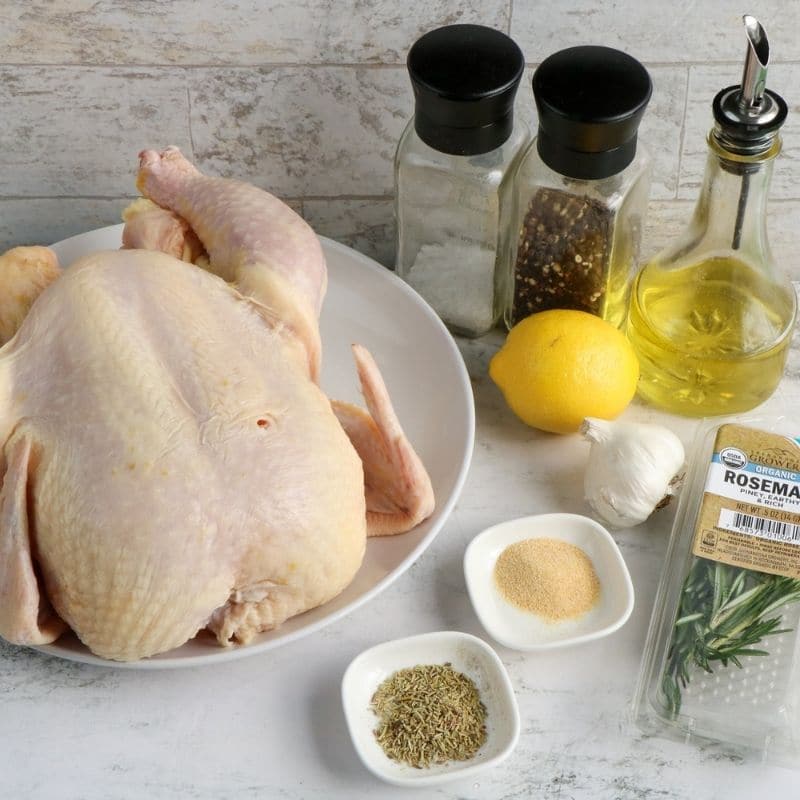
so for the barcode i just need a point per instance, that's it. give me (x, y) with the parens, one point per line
(759, 526)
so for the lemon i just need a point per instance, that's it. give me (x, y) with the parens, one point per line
(558, 367)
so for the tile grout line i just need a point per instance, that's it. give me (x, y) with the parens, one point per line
(284, 198)
(320, 198)
(203, 65)
(510, 16)
(365, 197)
(324, 64)
(189, 122)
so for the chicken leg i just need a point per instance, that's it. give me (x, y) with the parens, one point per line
(253, 240)
(25, 615)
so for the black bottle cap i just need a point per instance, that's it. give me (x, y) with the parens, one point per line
(464, 79)
(590, 102)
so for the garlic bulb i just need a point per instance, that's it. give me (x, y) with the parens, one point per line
(633, 469)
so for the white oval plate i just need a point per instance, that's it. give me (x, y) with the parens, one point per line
(521, 630)
(431, 392)
(467, 654)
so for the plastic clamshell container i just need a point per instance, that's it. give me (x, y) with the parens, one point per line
(752, 711)
(522, 630)
(467, 654)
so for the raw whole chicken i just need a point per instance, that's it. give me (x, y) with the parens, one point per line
(168, 460)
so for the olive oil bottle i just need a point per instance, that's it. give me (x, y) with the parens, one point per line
(711, 317)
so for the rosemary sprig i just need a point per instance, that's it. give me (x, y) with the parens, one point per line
(723, 612)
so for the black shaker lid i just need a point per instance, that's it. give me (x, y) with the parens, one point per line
(590, 101)
(464, 79)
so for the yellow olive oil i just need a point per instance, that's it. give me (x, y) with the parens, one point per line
(711, 338)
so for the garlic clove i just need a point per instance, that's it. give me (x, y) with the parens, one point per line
(633, 469)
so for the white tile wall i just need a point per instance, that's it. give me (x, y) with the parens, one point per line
(241, 32)
(76, 131)
(308, 97)
(317, 131)
(666, 32)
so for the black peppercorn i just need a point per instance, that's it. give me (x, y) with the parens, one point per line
(562, 255)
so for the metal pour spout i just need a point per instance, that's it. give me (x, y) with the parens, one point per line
(748, 116)
(754, 76)
(747, 119)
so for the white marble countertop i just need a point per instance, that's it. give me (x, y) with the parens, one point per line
(272, 726)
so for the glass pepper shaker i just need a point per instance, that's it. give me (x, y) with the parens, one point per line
(711, 316)
(452, 169)
(581, 188)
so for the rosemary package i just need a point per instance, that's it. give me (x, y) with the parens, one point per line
(429, 714)
(724, 612)
(721, 659)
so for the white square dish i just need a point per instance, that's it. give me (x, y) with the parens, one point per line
(467, 654)
(522, 630)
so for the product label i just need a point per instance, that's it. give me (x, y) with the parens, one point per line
(750, 513)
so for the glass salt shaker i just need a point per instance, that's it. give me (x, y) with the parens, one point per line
(581, 188)
(452, 170)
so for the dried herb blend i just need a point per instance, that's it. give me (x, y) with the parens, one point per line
(563, 254)
(429, 714)
(548, 577)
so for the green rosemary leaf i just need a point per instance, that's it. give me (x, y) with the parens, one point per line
(718, 583)
(749, 651)
(734, 605)
(736, 586)
(672, 693)
(792, 597)
(689, 618)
